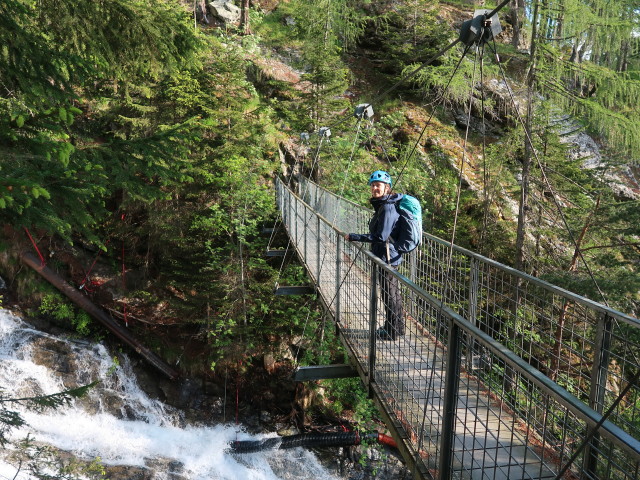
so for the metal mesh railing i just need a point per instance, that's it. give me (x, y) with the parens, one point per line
(498, 375)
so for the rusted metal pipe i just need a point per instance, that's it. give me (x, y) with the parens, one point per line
(88, 306)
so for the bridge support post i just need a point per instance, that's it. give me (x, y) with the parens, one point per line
(450, 400)
(318, 263)
(472, 347)
(315, 198)
(296, 222)
(599, 374)
(473, 292)
(373, 322)
(287, 219)
(338, 276)
(305, 227)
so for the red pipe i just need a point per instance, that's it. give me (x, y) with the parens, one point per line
(387, 440)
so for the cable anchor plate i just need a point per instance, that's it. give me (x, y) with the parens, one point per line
(480, 29)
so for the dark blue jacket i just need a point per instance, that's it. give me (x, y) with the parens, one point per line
(381, 227)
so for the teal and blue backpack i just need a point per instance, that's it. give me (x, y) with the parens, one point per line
(408, 230)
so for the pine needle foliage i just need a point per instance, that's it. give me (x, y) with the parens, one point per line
(582, 57)
(91, 71)
(401, 34)
(10, 419)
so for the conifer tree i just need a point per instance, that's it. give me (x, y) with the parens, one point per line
(576, 62)
(63, 84)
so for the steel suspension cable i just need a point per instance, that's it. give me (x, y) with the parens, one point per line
(402, 80)
(417, 70)
(277, 220)
(546, 180)
(266, 310)
(485, 175)
(448, 285)
(634, 378)
(433, 104)
(462, 162)
(361, 247)
(344, 180)
(313, 165)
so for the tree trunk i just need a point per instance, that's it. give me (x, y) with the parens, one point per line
(244, 17)
(557, 347)
(528, 150)
(623, 60)
(517, 14)
(98, 314)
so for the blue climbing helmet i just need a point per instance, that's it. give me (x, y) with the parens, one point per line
(380, 176)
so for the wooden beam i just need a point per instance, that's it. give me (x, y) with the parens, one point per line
(88, 306)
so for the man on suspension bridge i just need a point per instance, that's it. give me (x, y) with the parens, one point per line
(381, 228)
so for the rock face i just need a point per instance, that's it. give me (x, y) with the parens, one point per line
(581, 147)
(225, 12)
(510, 101)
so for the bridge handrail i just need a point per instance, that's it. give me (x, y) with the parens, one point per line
(525, 276)
(314, 234)
(613, 432)
(578, 407)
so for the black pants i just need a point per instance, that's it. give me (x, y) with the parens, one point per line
(392, 300)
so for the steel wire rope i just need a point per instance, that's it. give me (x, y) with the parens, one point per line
(386, 92)
(278, 220)
(634, 378)
(485, 173)
(411, 153)
(555, 200)
(241, 257)
(317, 155)
(441, 97)
(304, 194)
(342, 186)
(403, 79)
(546, 180)
(240, 235)
(594, 430)
(361, 247)
(468, 46)
(448, 268)
(286, 250)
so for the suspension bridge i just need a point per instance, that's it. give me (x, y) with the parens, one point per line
(499, 376)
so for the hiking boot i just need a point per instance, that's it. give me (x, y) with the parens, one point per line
(382, 334)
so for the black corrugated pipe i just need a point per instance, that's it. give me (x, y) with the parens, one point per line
(338, 439)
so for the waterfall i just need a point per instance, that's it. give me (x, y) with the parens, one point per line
(117, 421)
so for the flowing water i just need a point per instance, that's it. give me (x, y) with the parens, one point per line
(119, 423)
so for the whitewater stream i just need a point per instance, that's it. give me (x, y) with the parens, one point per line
(117, 421)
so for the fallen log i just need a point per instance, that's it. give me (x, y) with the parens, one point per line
(88, 306)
